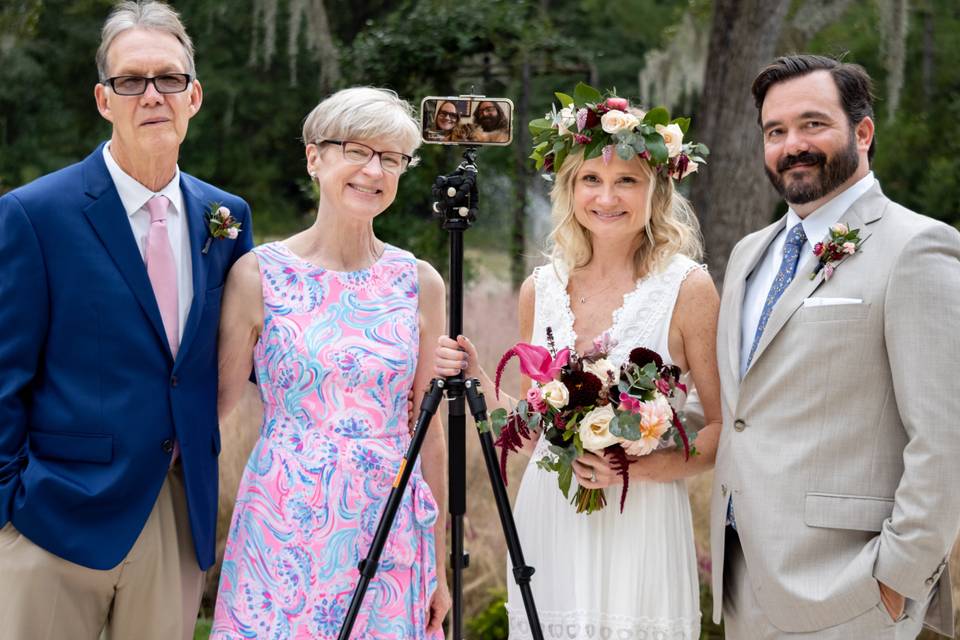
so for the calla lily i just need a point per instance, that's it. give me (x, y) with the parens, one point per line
(535, 362)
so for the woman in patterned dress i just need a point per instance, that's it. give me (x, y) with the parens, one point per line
(622, 265)
(336, 324)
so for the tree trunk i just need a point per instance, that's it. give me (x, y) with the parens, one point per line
(521, 146)
(732, 195)
(928, 54)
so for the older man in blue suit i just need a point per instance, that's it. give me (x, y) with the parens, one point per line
(109, 303)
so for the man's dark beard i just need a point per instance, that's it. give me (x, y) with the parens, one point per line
(489, 123)
(829, 173)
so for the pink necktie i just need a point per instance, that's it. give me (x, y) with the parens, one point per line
(162, 270)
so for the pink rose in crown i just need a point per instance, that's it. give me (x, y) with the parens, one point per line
(535, 399)
(620, 104)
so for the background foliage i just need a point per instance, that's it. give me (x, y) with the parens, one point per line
(265, 63)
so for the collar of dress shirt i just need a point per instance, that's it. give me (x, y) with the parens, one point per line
(819, 221)
(134, 195)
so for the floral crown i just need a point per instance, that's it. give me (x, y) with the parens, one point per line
(603, 125)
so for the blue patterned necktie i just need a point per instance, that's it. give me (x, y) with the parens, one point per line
(788, 268)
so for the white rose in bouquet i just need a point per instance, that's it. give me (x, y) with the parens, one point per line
(595, 429)
(601, 368)
(555, 394)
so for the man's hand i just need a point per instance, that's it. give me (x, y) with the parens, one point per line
(892, 601)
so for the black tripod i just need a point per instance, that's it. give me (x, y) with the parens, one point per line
(456, 205)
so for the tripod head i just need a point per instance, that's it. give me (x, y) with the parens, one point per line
(455, 195)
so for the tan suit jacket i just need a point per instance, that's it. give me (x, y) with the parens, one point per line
(841, 444)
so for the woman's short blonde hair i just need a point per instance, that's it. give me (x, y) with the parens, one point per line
(364, 113)
(672, 227)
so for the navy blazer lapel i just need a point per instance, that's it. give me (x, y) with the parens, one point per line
(109, 219)
(195, 211)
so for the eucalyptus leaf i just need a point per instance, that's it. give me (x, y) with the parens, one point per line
(683, 123)
(564, 478)
(565, 100)
(657, 148)
(625, 151)
(629, 426)
(498, 420)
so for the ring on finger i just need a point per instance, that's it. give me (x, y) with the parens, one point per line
(593, 475)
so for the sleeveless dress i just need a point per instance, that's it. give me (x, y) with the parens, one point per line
(334, 364)
(623, 576)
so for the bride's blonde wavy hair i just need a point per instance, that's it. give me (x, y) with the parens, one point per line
(672, 227)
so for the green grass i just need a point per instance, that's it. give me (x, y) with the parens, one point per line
(202, 630)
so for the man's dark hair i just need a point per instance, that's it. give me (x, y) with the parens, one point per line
(501, 116)
(852, 80)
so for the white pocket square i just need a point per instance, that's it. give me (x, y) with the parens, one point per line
(829, 302)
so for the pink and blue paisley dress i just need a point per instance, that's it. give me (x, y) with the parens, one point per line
(334, 364)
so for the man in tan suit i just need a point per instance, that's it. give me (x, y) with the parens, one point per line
(836, 497)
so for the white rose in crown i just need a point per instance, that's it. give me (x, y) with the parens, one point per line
(567, 119)
(602, 368)
(555, 394)
(595, 429)
(673, 137)
(615, 121)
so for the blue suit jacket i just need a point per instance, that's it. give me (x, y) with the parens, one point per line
(90, 396)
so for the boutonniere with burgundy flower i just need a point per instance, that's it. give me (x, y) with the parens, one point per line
(843, 242)
(221, 225)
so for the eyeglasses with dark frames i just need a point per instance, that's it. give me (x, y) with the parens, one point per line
(448, 115)
(358, 153)
(165, 83)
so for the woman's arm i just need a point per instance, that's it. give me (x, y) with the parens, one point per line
(433, 454)
(693, 345)
(241, 321)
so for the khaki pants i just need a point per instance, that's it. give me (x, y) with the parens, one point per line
(154, 593)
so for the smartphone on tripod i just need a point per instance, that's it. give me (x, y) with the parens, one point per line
(466, 120)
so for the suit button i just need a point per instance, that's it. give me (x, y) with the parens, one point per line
(929, 582)
(723, 490)
(167, 446)
(739, 425)
(173, 381)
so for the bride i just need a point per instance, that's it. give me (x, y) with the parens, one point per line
(622, 263)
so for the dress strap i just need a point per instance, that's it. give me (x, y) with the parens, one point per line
(552, 306)
(644, 319)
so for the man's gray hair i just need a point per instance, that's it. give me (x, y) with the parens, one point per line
(144, 15)
(364, 113)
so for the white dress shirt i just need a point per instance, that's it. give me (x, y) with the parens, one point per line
(815, 226)
(134, 197)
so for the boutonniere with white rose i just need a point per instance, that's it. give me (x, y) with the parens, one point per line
(221, 225)
(604, 124)
(585, 403)
(843, 242)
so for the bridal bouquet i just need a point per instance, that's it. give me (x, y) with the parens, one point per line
(583, 403)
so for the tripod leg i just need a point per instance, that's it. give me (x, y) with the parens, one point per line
(457, 498)
(368, 566)
(521, 571)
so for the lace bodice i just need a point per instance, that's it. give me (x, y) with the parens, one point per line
(642, 320)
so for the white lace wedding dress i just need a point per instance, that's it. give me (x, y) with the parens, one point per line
(623, 576)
